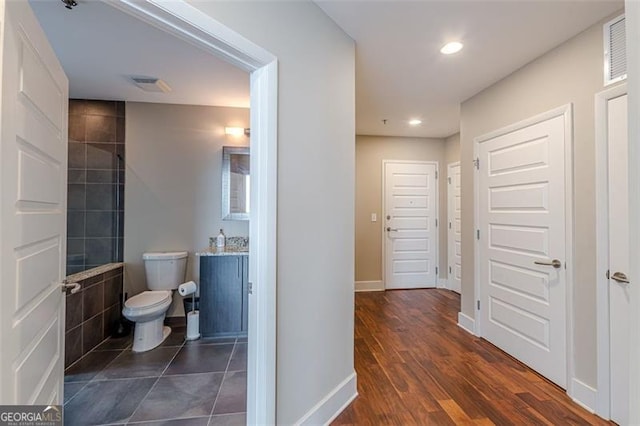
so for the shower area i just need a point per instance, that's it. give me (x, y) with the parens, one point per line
(95, 224)
(95, 205)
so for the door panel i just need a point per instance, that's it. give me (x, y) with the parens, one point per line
(454, 231)
(411, 207)
(619, 294)
(33, 218)
(521, 221)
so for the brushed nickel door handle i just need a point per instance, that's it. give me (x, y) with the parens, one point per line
(389, 229)
(620, 277)
(555, 263)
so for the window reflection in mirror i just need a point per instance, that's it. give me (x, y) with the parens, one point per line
(236, 183)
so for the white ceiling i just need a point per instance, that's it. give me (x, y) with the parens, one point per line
(400, 73)
(100, 47)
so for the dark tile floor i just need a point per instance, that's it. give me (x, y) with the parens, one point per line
(196, 383)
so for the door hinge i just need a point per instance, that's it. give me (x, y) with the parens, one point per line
(436, 174)
(436, 223)
(608, 274)
(477, 234)
(478, 304)
(449, 179)
(436, 270)
(250, 284)
(476, 163)
(449, 225)
(449, 269)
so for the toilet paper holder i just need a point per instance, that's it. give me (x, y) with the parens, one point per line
(193, 317)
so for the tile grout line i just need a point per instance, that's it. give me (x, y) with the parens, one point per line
(215, 402)
(85, 355)
(76, 394)
(143, 422)
(154, 383)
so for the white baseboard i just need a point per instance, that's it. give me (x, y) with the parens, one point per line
(466, 323)
(583, 395)
(334, 403)
(369, 286)
(443, 283)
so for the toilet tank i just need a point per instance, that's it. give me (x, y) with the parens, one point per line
(165, 270)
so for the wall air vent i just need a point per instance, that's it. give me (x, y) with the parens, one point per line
(151, 84)
(615, 51)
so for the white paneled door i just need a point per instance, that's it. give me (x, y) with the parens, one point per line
(522, 243)
(619, 294)
(410, 225)
(454, 231)
(33, 155)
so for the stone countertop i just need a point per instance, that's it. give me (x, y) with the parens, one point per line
(228, 251)
(80, 276)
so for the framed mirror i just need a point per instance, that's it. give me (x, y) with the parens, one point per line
(235, 183)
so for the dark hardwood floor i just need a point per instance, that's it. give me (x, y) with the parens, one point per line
(415, 366)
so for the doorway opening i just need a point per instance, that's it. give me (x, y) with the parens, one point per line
(185, 22)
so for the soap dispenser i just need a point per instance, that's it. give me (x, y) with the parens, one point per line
(220, 240)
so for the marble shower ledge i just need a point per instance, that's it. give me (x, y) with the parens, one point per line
(80, 276)
(228, 251)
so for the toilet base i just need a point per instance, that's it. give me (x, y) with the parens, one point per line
(149, 334)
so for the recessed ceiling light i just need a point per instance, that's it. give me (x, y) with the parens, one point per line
(415, 122)
(451, 47)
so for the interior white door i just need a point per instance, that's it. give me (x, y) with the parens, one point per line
(33, 163)
(619, 296)
(454, 232)
(411, 214)
(521, 202)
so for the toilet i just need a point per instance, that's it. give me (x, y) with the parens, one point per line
(164, 271)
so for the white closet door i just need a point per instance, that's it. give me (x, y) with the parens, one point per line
(522, 232)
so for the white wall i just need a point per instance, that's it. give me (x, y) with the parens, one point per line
(633, 60)
(452, 148)
(316, 158)
(173, 183)
(570, 73)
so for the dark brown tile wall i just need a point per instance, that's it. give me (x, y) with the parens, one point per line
(95, 217)
(91, 313)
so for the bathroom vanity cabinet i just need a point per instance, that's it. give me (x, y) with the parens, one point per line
(224, 294)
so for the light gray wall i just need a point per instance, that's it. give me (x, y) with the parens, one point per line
(174, 183)
(370, 151)
(452, 148)
(316, 158)
(571, 73)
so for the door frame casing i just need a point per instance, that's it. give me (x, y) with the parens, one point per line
(184, 21)
(450, 230)
(603, 391)
(383, 210)
(565, 111)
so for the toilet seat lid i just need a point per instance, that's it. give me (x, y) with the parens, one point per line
(148, 299)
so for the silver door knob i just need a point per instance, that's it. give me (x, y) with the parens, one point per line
(389, 229)
(555, 263)
(620, 277)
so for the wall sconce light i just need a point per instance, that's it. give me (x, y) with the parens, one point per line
(237, 131)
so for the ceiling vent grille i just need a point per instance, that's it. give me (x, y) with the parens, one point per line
(151, 84)
(615, 51)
